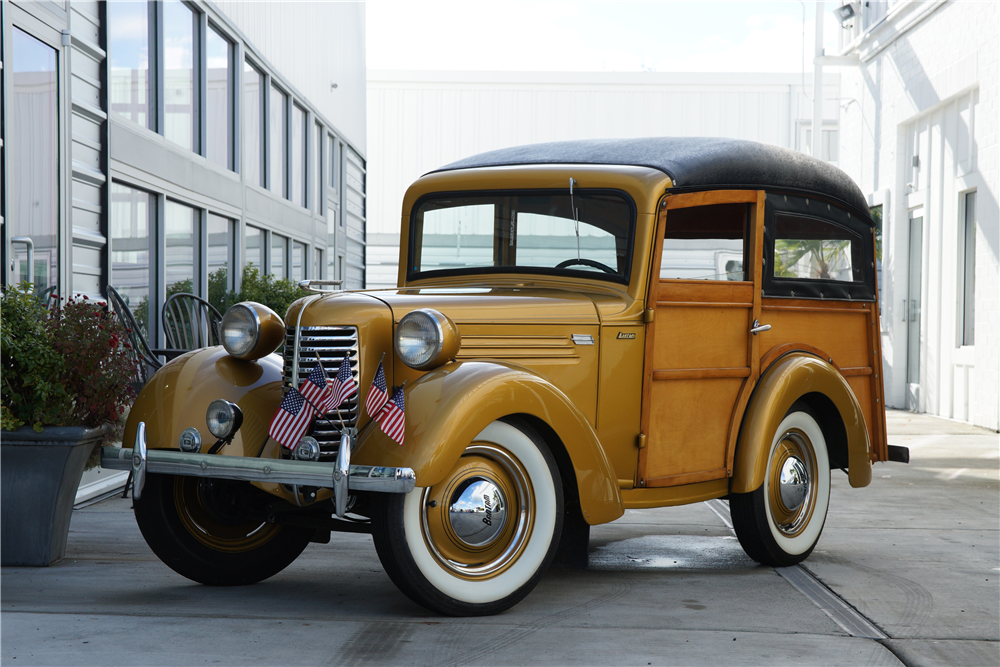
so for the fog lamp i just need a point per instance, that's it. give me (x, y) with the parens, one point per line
(190, 440)
(224, 418)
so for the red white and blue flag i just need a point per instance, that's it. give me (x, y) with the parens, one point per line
(291, 419)
(392, 417)
(316, 390)
(343, 386)
(378, 394)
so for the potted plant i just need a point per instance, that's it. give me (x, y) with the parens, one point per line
(66, 386)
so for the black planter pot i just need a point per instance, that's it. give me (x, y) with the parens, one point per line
(40, 473)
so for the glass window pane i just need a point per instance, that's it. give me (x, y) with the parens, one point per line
(298, 261)
(253, 127)
(705, 243)
(181, 256)
(817, 250)
(178, 72)
(969, 282)
(255, 247)
(128, 51)
(131, 250)
(220, 256)
(277, 124)
(299, 156)
(279, 249)
(316, 272)
(33, 142)
(333, 172)
(317, 172)
(218, 117)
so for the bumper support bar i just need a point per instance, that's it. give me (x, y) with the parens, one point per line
(141, 460)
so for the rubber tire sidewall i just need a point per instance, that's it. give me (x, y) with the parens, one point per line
(804, 542)
(399, 538)
(156, 514)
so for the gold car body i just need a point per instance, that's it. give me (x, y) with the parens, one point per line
(671, 404)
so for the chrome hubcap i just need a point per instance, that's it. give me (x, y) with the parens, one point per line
(477, 512)
(793, 484)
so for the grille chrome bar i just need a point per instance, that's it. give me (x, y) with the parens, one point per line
(332, 344)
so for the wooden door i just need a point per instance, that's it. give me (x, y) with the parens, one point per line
(701, 359)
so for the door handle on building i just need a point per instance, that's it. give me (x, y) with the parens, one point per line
(914, 311)
(906, 316)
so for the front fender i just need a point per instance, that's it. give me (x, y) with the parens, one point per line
(786, 381)
(447, 407)
(177, 396)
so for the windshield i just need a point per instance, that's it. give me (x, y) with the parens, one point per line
(588, 232)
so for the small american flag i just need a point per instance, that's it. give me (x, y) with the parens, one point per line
(316, 389)
(343, 386)
(291, 419)
(392, 417)
(378, 394)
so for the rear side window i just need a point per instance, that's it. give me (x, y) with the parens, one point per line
(705, 243)
(815, 249)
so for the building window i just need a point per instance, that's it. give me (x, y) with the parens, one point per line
(298, 261)
(317, 171)
(829, 145)
(253, 126)
(969, 271)
(279, 254)
(128, 52)
(132, 250)
(181, 256)
(255, 247)
(298, 194)
(218, 101)
(178, 73)
(33, 145)
(220, 259)
(277, 123)
(316, 272)
(334, 162)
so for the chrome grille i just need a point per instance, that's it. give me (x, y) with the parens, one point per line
(332, 344)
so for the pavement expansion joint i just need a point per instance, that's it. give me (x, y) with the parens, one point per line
(847, 617)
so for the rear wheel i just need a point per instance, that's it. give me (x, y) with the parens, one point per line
(477, 542)
(215, 531)
(780, 523)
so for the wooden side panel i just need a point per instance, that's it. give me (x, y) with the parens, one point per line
(701, 338)
(690, 425)
(840, 332)
(862, 387)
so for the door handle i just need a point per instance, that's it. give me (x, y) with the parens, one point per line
(758, 327)
(26, 240)
(914, 313)
(906, 315)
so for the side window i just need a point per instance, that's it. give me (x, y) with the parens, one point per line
(813, 249)
(706, 243)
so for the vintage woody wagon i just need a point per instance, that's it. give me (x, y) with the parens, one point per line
(581, 328)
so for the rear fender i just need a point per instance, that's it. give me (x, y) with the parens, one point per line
(449, 406)
(794, 376)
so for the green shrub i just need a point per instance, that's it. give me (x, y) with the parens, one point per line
(62, 366)
(275, 293)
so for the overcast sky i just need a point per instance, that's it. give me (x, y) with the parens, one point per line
(563, 35)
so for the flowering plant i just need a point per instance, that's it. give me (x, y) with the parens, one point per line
(65, 365)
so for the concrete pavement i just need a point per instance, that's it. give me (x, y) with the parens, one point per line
(917, 553)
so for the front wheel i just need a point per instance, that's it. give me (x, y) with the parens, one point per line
(477, 542)
(780, 523)
(215, 531)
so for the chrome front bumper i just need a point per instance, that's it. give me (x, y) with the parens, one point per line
(340, 476)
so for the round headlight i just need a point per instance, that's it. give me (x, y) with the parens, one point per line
(240, 330)
(190, 440)
(224, 418)
(426, 339)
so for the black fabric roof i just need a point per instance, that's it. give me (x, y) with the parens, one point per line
(693, 163)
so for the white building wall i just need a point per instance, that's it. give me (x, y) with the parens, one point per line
(313, 45)
(418, 121)
(920, 128)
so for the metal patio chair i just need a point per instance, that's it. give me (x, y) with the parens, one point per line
(190, 322)
(142, 356)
